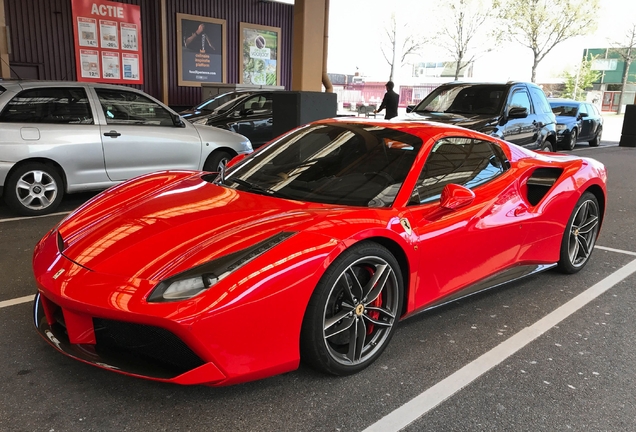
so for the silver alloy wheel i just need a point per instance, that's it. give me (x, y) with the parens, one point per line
(573, 139)
(222, 163)
(36, 190)
(361, 309)
(583, 233)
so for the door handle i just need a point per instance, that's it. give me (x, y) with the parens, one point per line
(112, 134)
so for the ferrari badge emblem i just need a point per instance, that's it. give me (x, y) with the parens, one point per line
(406, 225)
(58, 274)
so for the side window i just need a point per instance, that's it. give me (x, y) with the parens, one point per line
(540, 101)
(520, 99)
(64, 105)
(256, 104)
(463, 161)
(582, 108)
(130, 108)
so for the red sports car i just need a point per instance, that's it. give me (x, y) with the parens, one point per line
(312, 248)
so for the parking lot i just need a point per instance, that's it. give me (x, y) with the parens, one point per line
(551, 352)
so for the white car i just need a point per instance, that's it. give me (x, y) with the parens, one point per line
(65, 137)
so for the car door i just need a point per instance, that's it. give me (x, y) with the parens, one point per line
(587, 122)
(139, 135)
(523, 131)
(253, 119)
(55, 123)
(460, 247)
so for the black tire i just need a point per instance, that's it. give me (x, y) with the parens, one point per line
(214, 161)
(547, 146)
(368, 311)
(34, 189)
(596, 141)
(580, 234)
(574, 135)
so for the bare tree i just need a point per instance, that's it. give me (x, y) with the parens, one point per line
(465, 22)
(543, 24)
(401, 42)
(627, 51)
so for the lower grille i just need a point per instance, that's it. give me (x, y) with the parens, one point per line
(153, 344)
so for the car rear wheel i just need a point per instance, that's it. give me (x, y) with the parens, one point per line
(580, 234)
(573, 137)
(216, 161)
(353, 311)
(34, 189)
(596, 141)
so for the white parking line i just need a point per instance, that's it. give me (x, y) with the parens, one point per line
(33, 217)
(615, 250)
(429, 399)
(16, 301)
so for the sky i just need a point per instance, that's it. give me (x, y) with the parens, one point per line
(357, 31)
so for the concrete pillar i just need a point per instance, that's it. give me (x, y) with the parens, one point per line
(307, 45)
(5, 72)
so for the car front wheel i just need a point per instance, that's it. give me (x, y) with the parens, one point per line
(580, 234)
(353, 311)
(216, 161)
(34, 189)
(546, 146)
(574, 136)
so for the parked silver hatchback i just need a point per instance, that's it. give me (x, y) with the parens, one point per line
(65, 137)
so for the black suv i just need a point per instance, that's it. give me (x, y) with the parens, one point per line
(515, 111)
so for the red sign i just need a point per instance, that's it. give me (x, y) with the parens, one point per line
(107, 42)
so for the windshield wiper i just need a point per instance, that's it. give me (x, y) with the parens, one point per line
(251, 187)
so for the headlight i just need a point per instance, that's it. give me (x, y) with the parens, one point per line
(199, 279)
(561, 127)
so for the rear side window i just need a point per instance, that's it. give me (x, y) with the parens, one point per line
(463, 161)
(64, 105)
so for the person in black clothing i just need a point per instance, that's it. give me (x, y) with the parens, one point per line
(390, 102)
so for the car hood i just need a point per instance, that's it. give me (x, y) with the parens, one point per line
(174, 225)
(211, 134)
(478, 122)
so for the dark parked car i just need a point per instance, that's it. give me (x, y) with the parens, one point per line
(210, 105)
(250, 113)
(577, 121)
(515, 111)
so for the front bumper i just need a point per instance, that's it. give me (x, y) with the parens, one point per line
(129, 348)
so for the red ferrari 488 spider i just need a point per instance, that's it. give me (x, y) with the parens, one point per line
(312, 248)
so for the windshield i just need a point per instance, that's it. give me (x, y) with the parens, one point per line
(345, 164)
(464, 99)
(218, 102)
(565, 110)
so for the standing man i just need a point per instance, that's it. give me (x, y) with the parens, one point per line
(390, 102)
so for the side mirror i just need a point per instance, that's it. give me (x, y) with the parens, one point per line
(235, 160)
(581, 115)
(455, 196)
(518, 112)
(246, 112)
(177, 121)
(410, 108)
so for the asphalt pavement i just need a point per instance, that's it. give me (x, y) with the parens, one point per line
(480, 364)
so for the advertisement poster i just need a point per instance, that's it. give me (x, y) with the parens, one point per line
(259, 62)
(107, 42)
(200, 50)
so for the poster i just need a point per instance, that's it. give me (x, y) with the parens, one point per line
(259, 63)
(200, 50)
(107, 42)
